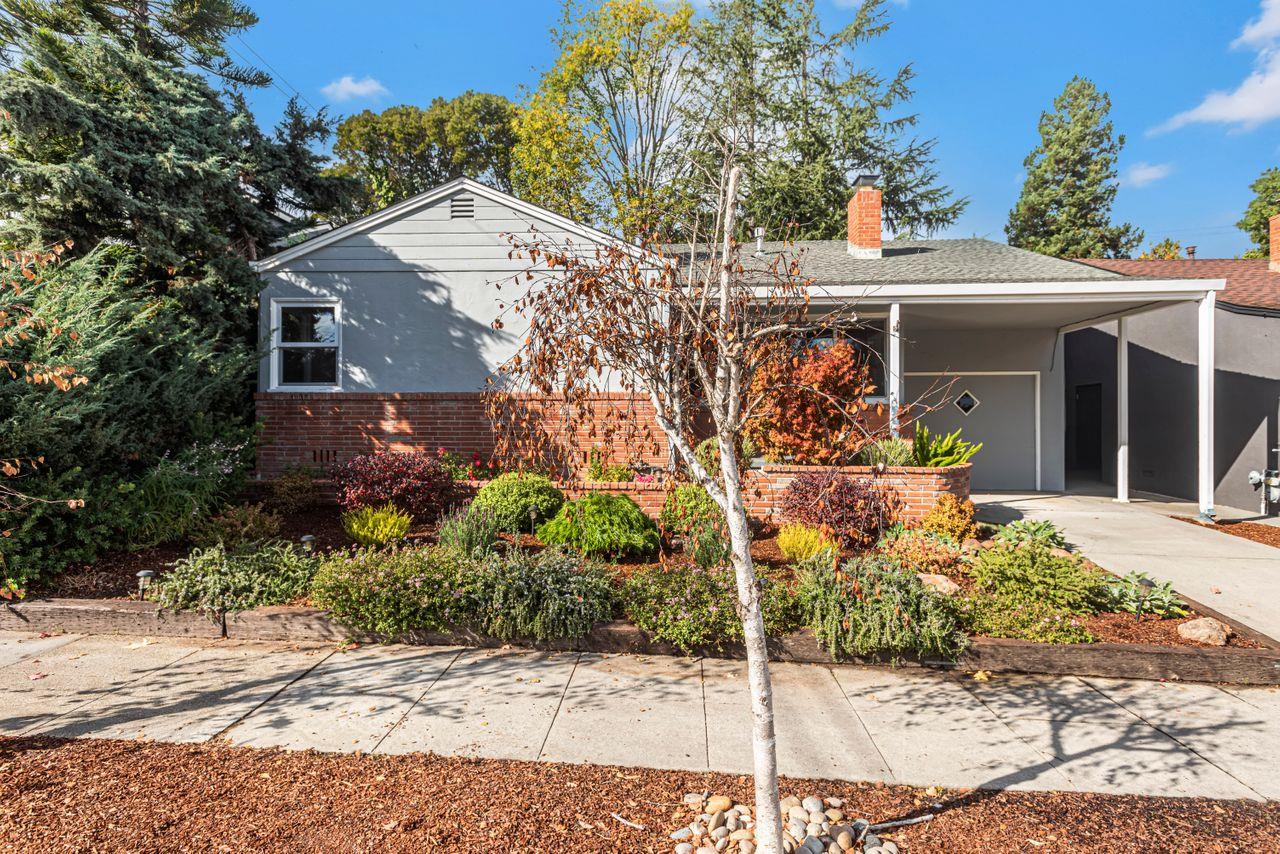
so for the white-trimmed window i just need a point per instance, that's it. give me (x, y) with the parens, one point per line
(868, 335)
(306, 346)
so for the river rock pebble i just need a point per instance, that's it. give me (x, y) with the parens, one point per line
(812, 825)
(1205, 630)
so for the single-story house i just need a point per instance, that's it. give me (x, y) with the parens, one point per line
(379, 334)
(1162, 353)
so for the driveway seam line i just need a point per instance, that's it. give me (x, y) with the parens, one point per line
(416, 702)
(547, 735)
(286, 686)
(706, 729)
(893, 775)
(1054, 762)
(1174, 739)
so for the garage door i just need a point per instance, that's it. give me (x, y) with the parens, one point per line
(1000, 412)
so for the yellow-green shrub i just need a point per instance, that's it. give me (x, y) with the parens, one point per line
(376, 526)
(800, 542)
(952, 517)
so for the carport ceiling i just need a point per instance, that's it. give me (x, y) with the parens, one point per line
(1008, 315)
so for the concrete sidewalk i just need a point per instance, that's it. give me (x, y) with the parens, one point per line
(848, 723)
(1233, 575)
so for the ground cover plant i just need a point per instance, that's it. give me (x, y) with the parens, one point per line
(216, 581)
(1005, 616)
(692, 607)
(414, 481)
(518, 501)
(472, 532)
(602, 523)
(1130, 595)
(869, 605)
(551, 595)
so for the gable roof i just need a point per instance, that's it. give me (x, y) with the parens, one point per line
(431, 197)
(1250, 283)
(954, 261)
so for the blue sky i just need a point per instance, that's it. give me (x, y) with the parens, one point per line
(1195, 85)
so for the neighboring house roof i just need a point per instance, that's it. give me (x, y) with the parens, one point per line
(1250, 284)
(828, 262)
(431, 197)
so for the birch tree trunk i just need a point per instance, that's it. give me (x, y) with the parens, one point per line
(764, 743)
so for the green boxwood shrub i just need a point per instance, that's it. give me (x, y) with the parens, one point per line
(686, 508)
(216, 581)
(1032, 573)
(691, 607)
(602, 523)
(1002, 617)
(376, 526)
(512, 497)
(391, 591)
(871, 605)
(551, 595)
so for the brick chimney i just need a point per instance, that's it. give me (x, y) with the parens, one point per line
(1274, 266)
(864, 218)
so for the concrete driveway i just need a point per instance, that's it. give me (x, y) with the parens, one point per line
(835, 722)
(1233, 575)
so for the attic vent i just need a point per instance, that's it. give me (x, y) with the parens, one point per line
(462, 207)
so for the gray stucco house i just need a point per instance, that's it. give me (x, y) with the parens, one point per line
(378, 334)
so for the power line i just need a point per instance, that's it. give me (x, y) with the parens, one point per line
(276, 75)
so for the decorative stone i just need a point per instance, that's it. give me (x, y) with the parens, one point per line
(889, 847)
(971, 545)
(835, 802)
(832, 848)
(938, 583)
(682, 833)
(845, 840)
(798, 813)
(789, 801)
(717, 821)
(741, 833)
(718, 803)
(1060, 552)
(871, 841)
(746, 846)
(684, 848)
(833, 814)
(694, 799)
(813, 845)
(731, 821)
(812, 804)
(720, 833)
(1205, 630)
(813, 829)
(817, 816)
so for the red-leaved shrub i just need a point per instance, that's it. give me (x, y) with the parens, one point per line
(813, 406)
(414, 481)
(854, 510)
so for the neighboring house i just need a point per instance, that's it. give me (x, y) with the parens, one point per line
(1162, 362)
(379, 334)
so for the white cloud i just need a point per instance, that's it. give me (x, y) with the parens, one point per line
(347, 88)
(1256, 100)
(1142, 173)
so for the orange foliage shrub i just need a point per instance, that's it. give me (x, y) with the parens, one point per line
(813, 405)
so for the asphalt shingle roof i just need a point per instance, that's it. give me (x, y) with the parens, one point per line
(1249, 282)
(828, 262)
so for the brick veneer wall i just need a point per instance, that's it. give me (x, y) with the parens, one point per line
(318, 429)
(917, 488)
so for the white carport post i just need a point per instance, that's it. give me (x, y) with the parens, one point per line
(895, 367)
(1204, 385)
(1122, 410)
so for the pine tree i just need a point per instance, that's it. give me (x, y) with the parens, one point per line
(177, 32)
(1065, 206)
(1257, 217)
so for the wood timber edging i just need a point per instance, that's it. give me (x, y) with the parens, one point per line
(996, 655)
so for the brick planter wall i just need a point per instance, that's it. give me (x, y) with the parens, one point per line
(318, 430)
(917, 488)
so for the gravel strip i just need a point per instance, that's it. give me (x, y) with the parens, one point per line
(96, 795)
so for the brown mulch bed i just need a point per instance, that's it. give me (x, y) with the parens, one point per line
(1124, 628)
(114, 576)
(94, 795)
(1268, 535)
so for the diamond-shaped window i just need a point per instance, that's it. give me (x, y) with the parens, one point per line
(967, 402)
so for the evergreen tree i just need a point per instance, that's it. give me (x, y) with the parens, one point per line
(810, 114)
(99, 142)
(176, 32)
(1257, 217)
(1065, 206)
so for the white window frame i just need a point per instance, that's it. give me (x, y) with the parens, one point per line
(278, 303)
(883, 318)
